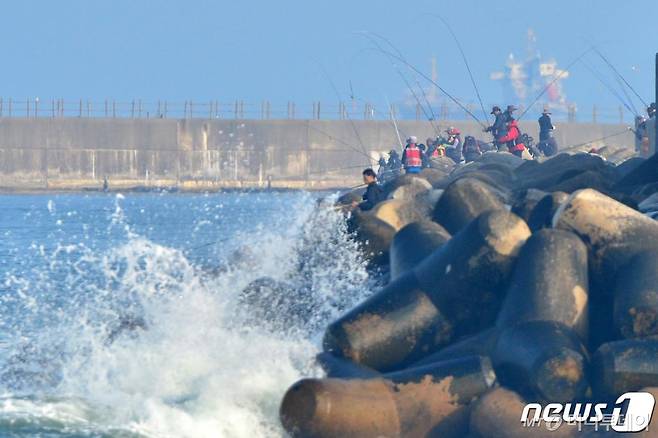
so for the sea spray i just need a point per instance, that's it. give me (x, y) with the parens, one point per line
(139, 339)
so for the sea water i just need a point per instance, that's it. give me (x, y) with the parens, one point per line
(126, 314)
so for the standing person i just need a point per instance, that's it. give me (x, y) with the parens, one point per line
(394, 164)
(374, 193)
(412, 157)
(512, 125)
(547, 144)
(454, 145)
(471, 149)
(545, 125)
(499, 127)
(382, 171)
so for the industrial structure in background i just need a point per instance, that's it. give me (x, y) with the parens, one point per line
(522, 80)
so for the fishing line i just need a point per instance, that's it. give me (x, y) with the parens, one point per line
(424, 76)
(609, 87)
(468, 67)
(557, 78)
(598, 52)
(600, 139)
(356, 131)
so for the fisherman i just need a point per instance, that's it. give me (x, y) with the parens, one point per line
(509, 117)
(499, 127)
(545, 125)
(394, 164)
(412, 157)
(547, 144)
(383, 167)
(374, 193)
(471, 149)
(454, 145)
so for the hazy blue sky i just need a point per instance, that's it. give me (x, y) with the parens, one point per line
(255, 50)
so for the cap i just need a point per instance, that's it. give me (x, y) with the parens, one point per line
(412, 139)
(511, 108)
(494, 109)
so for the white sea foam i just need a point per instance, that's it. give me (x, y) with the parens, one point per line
(153, 345)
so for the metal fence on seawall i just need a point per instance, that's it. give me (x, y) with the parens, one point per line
(264, 110)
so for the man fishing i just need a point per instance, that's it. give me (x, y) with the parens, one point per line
(547, 144)
(374, 193)
(394, 164)
(454, 145)
(412, 157)
(499, 127)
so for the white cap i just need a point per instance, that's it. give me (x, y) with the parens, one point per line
(412, 139)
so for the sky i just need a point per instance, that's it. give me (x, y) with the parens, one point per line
(303, 51)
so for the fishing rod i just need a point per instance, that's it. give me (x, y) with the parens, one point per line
(427, 101)
(356, 131)
(411, 90)
(601, 139)
(395, 124)
(468, 67)
(422, 107)
(628, 97)
(598, 52)
(557, 78)
(609, 87)
(343, 142)
(423, 75)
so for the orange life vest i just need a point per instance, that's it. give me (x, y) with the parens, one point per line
(413, 156)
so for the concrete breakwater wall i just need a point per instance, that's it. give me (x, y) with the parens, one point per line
(201, 154)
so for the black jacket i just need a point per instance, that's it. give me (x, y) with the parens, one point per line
(499, 128)
(545, 123)
(374, 195)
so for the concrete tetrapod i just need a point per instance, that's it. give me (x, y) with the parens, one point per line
(549, 283)
(497, 414)
(542, 359)
(464, 200)
(453, 292)
(636, 296)
(622, 366)
(613, 232)
(413, 243)
(417, 402)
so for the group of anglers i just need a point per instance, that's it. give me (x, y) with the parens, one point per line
(506, 133)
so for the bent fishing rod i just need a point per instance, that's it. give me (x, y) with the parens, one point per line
(356, 131)
(614, 69)
(468, 67)
(401, 59)
(601, 138)
(610, 88)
